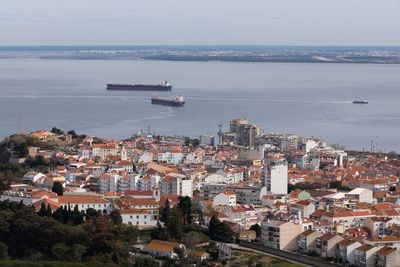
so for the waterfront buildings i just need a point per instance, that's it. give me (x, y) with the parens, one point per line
(341, 206)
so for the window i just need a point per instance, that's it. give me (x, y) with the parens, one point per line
(137, 216)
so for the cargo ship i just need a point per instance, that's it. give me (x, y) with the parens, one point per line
(163, 86)
(360, 102)
(177, 101)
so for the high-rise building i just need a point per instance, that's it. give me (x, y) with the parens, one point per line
(245, 132)
(276, 174)
(207, 139)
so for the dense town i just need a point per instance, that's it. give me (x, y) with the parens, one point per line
(315, 54)
(196, 202)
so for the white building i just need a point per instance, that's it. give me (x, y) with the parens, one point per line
(16, 197)
(276, 175)
(215, 179)
(84, 202)
(176, 184)
(146, 158)
(138, 217)
(147, 182)
(171, 157)
(225, 199)
(163, 249)
(248, 194)
(345, 251)
(105, 150)
(208, 140)
(33, 177)
(361, 195)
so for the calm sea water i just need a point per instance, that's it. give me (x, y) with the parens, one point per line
(306, 99)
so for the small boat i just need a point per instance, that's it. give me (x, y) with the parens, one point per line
(360, 102)
(177, 101)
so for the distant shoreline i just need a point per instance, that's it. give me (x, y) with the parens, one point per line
(279, 54)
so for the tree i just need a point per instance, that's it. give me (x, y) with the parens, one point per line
(131, 234)
(77, 251)
(174, 223)
(43, 210)
(192, 239)
(56, 130)
(58, 214)
(291, 188)
(58, 188)
(60, 251)
(72, 133)
(392, 155)
(115, 217)
(220, 231)
(165, 211)
(257, 228)
(49, 211)
(36, 162)
(3, 251)
(160, 232)
(145, 262)
(92, 213)
(338, 185)
(185, 205)
(76, 216)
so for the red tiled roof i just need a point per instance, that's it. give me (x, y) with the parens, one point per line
(75, 199)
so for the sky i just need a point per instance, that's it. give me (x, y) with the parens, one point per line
(200, 22)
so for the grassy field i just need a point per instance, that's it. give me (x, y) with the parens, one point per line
(243, 258)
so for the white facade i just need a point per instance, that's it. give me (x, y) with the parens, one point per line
(176, 185)
(361, 195)
(225, 199)
(33, 176)
(208, 140)
(170, 157)
(215, 179)
(84, 202)
(146, 158)
(276, 177)
(140, 218)
(248, 195)
(104, 150)
(16, 197)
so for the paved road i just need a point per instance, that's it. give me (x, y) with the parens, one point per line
(238, 247)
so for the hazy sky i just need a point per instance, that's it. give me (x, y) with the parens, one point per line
(171, 22)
